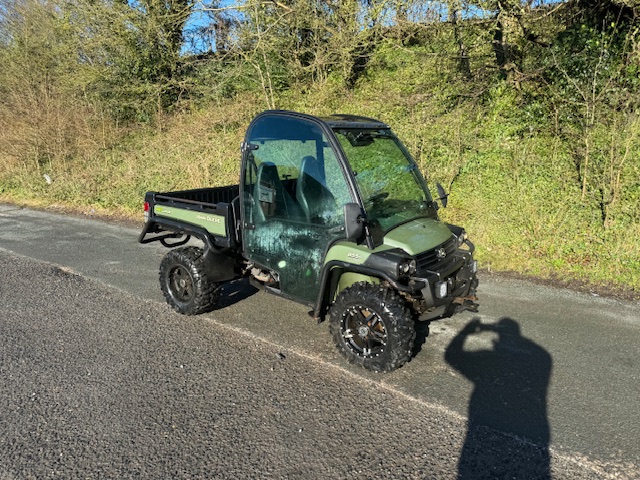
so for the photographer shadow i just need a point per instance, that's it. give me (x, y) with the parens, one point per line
(509, 396)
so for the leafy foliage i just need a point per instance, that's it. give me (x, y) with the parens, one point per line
(528, 112)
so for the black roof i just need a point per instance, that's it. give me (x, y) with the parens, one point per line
(342, 120)
(338, 120)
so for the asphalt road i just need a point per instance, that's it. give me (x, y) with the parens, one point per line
(98, 378)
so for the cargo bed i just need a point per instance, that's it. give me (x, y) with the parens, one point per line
(206, 213)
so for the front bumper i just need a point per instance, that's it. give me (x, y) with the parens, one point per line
(452, 287)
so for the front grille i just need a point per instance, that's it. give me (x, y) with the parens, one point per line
(429, 260)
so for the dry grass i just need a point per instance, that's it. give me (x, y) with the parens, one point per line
(518, 198)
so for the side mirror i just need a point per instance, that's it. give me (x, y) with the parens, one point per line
(353, 221)
(443, 196)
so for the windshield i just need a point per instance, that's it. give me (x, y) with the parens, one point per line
(389, 182)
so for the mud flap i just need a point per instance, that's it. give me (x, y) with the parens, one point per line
(219, 267)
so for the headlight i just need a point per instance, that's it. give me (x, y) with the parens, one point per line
(441, 289)
(407, 267)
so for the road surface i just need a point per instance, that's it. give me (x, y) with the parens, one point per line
(546, 369)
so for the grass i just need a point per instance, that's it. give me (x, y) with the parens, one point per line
(517, 195)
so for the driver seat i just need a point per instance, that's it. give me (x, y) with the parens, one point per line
(317, 202)
(272, 198)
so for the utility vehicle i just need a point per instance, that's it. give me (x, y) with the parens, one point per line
(330, 212)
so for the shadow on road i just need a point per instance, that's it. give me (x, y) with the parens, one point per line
(234, 292)
(510, 395)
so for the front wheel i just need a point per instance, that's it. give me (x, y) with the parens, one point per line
(184, 282)
(372, 327)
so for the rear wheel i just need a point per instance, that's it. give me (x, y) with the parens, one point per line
(184, 282)
(372, 327)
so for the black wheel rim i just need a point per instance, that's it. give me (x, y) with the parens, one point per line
(364, 331)
(181, 284)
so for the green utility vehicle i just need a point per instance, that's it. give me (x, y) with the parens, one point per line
(332, 213)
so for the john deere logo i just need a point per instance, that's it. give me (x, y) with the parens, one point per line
(441, 253)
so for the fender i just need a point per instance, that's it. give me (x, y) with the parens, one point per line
(329, 283)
